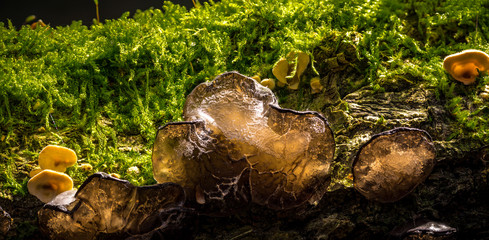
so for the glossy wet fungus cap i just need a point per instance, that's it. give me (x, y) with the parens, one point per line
(56, 158)
(237, 146)
(113, 208)
(391, 164)
(466, 65)
(47, 184)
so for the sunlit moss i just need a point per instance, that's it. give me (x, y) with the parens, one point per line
(85, 87)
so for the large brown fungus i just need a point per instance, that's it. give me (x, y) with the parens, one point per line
(237, 146)
(391, 164)
(112, 208)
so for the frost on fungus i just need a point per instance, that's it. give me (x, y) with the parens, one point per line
(107, 207)
(391, 164)
(237, 146)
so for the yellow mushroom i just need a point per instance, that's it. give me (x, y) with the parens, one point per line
(316, 85)
(466, 65)
(87, 167)
(302, 62)
(56, 158)
(115, 175)
(280, 70)
(269, 83)
(47, 184)
(257, 78)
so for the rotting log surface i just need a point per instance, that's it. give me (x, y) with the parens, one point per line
(456, 192)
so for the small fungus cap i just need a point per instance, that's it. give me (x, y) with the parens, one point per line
(269, 83)
(56, 158)
(316, 85)
(47, 184)
(466, 65)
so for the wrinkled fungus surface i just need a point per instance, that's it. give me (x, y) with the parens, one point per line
(391, 164)
(237, 146)
(112, 208)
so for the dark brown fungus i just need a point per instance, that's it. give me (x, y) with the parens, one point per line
(5, 221)
(112, 208)
(237, 146)
(391, 164)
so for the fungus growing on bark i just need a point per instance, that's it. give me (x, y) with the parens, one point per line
(289, 70)
(47, 184)
(281, 70)
(113, 208)
(316, 86)
(56, 158)
(466, 65)
(300, 64)
(391, 164)
(237, 146)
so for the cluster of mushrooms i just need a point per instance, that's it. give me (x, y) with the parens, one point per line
(288, 71)
(50, 180)
(235, 146)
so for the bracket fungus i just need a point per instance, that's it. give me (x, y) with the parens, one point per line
(56, 158)
(466, 65)
(391, 164)
(110, 208)
(47, 184)
(237, 146)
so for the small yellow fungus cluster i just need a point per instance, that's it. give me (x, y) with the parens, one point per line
(267, 82)
(288, 70)
(49, 181)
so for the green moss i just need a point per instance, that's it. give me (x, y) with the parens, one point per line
(90, 87)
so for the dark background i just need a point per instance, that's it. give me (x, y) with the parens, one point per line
(63, 12)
